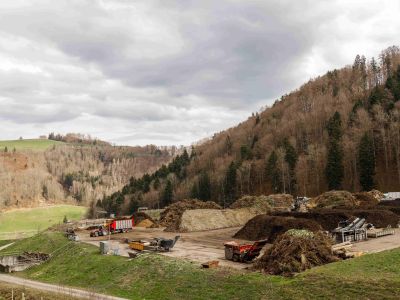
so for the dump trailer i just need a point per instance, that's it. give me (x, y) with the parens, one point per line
(243, 252)
(117, 225)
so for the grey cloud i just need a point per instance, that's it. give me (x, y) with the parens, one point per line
(180, 70)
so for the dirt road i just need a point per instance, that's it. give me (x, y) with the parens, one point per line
(195, 246)
(373, 245)
(55, 288)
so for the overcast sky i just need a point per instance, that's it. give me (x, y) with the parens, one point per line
(170, 72)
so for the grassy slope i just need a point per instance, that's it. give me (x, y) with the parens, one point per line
(157, 277)
(29, 144)
(34, 219)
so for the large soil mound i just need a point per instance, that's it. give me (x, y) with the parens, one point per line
(140, 216)
(334, 199)
(253, 201)
(367, 199)
(210, 219)
(265, 204)
(269, 227)
(327, 218)
(378, 217)
(171, 216)
(296, 251)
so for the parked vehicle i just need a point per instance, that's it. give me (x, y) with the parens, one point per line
(244, 252)
(114, 226)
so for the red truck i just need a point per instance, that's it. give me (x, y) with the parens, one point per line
(118, 225)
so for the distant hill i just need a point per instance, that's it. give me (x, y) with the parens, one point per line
(339, 130)
(39, 171)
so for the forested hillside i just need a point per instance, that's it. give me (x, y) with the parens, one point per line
(337, 131)
(71, 170)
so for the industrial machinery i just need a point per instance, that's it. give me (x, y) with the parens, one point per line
(351, 231)
(114, 226)
(245, 252)
(156, 244)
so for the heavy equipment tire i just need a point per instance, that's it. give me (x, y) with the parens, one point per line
(236, 258)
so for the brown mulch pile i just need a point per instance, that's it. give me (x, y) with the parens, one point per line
(327, 218)
(251, 201)
(334, 199)
(270, 227)
(141, 216)
(392, 203)
(296, 251)
(281, 200)
(366, 199)
(171, 216)
(378, 217)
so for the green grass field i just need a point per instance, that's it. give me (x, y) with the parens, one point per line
(28, 221)
(29, 144)
(152, 276)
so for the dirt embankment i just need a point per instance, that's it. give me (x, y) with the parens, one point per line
(270, 227)
(265, 204)
(295, 251)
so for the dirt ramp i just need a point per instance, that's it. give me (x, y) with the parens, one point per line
(296, 251)
(210, 219)
(270, 227)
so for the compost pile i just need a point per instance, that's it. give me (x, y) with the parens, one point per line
(146, 223)
(391, 205)
(283, 201)
(171, 216)
(367, 199)
(334, 199)
(261, 203)
(327, 218)
(141, 216)
(378, 217)
(296, 251)
(270, 227)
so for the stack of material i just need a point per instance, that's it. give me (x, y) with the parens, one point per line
(375, 232)
(351, 231)
(295, 252)
(343, 250)
(265, 204)
(146, 223)
(367, 199)
(270, 227)
(333, 199)
(171, 216)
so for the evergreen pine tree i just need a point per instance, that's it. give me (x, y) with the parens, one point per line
(167, 195)
(334, 171)
(272, 172)
(230, 183)
(366, 161)
(204, 191)
(194, 192)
